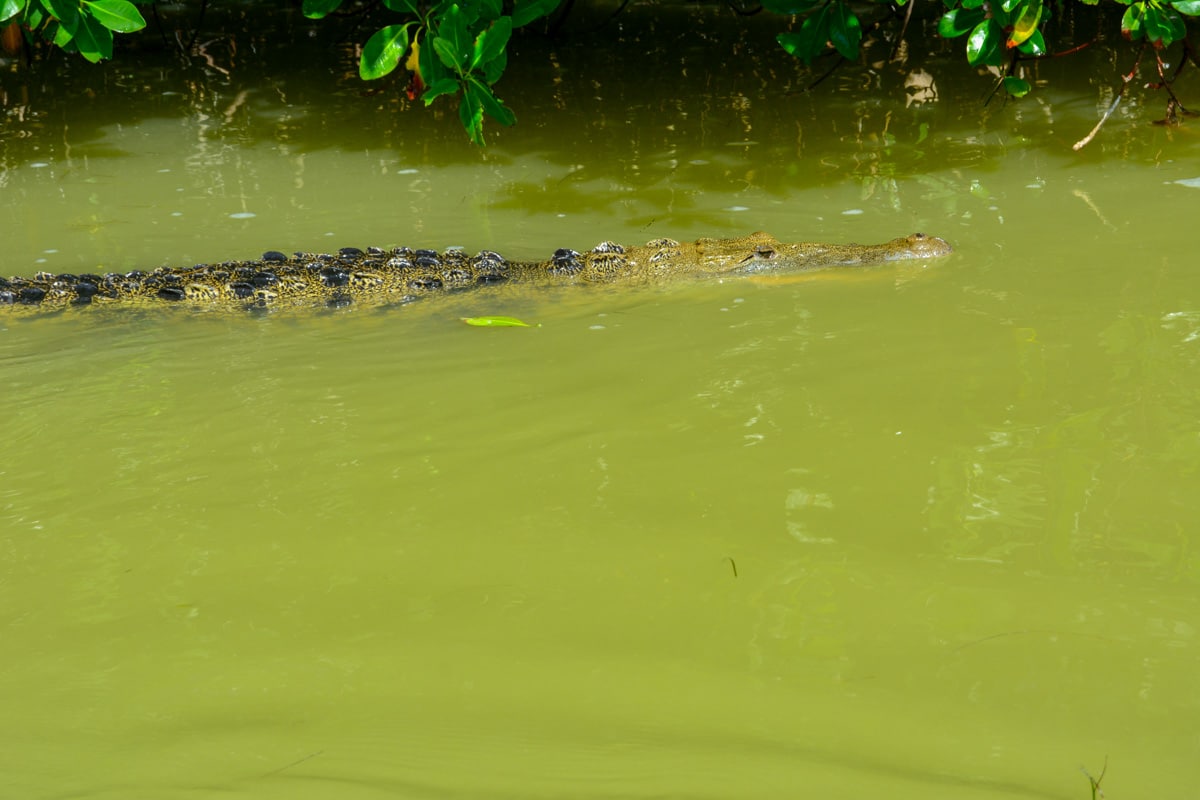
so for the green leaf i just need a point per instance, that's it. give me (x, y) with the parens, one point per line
(494, 107)
(1189, 7)
(491, 42)
(383, 51)
(1155, 26)
(526, 11)
(447, 55)
(983, 45)
(403, 7)
(1175, 24)
(431, 66)
(65, 11)
(456, 43)
(1131, 22)
(116, 15)
(491, 9)
(438, 88)
(1034, 46)
(972, 4)
(809, 43)
(1017, 87)
(794, 44)
(960, 21)
(469, 13)
(61, 37)
(1163, 26)
(492, 70)
(844, 31)
(470, 113)
(93, 39)
(35, 15)
(317, 9)
(497, 321)
(1002, 18)
(10, 8)
(1026, 23)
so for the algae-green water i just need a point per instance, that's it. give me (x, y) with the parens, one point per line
(926, 530)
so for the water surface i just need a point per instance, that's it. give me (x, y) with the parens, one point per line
(925, 530)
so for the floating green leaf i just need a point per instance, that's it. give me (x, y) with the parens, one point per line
(498, 322)
(383, 51)
(10, 8)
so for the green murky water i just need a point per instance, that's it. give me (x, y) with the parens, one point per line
(926, 531)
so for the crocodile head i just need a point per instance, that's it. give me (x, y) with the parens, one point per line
(916, 245)
(761, 251)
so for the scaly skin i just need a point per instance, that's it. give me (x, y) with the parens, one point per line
(400, 275)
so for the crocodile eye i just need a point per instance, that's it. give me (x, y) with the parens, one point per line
(763, 252)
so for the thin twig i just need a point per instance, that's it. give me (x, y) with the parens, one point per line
(1097, 792)
(1165, 82)
(1125, 79)
(828, 72)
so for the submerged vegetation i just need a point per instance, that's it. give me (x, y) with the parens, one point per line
(461, 48)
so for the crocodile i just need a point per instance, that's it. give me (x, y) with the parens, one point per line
(400, 275)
